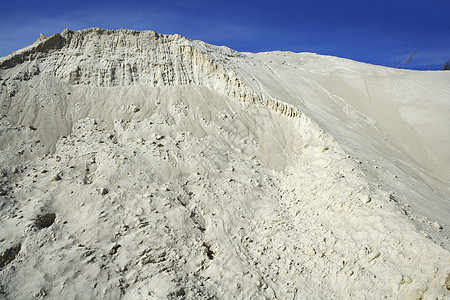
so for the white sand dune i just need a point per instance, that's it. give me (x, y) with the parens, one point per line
(137, 165)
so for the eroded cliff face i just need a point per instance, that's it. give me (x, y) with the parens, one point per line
(111, 58)
(39, 82)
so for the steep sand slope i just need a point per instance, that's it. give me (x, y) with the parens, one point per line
(145, 166)
(395, 120)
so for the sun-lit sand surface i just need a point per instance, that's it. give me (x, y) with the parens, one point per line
(136, 165)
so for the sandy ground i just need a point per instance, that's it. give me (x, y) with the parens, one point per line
(204, 173)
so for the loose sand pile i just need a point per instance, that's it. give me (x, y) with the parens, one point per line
(144, 166)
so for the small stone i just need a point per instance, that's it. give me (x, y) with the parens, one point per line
(123, 269)
(310, 251)
(57, 177)
(437, 226)
(114, 249)
(366, 199)
(42, 293)
(104, 191)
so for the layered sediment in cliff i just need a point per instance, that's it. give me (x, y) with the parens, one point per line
(111, 58)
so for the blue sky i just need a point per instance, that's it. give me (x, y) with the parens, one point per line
(379, 32)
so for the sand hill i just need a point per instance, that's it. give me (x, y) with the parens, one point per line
(138, 165)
